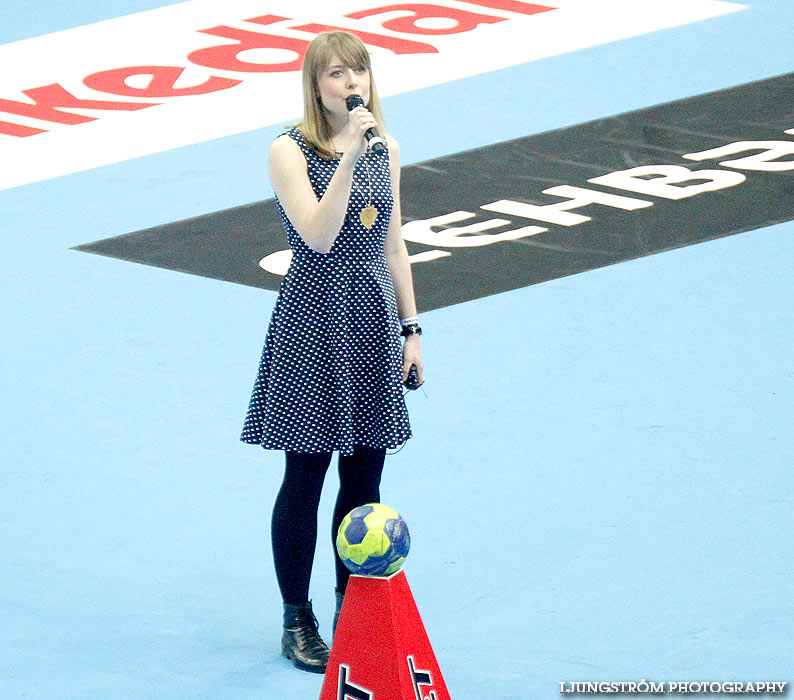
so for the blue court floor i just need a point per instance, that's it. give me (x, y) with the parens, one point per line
(600, 482)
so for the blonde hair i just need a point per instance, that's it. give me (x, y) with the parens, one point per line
(350, 49)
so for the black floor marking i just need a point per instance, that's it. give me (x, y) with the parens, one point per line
(229, 244)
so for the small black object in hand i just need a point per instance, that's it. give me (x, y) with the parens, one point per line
(412, 382)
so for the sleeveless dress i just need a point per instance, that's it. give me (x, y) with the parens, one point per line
(330, 376)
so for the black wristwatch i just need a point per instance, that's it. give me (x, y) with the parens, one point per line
(411, 329)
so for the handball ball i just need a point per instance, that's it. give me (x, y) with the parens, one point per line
(373, 540)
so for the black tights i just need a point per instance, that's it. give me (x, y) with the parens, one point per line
(294, 526)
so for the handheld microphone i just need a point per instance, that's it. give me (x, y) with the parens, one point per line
(375, 142)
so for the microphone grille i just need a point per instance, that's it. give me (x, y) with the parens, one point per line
(354, 101)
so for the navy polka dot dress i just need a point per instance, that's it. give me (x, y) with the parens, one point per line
(331, 369)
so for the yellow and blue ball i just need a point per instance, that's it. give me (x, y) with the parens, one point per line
(373, 540)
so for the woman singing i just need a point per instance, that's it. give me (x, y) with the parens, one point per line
(330, 378)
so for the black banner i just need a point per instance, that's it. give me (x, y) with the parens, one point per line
(617, 188)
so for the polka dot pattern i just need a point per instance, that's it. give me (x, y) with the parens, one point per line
(331, 367)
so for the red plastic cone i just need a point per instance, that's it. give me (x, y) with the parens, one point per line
(381, 650)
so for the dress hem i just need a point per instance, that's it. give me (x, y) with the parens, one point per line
(343, 449)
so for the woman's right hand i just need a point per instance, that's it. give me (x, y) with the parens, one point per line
(359, 121)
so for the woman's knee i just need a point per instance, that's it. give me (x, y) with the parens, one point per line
(362, 469)
(305, 473)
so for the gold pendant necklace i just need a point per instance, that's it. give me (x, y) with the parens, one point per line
(368, 216)
(369, 213)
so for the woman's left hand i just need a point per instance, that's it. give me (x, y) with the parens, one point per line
(412, 355)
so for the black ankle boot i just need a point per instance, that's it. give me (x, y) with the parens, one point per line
(340, 596)
(301, 642)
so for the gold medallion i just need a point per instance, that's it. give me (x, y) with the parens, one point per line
(368, 216)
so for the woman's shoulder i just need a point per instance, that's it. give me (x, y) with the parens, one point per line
(393, 146)
(291, 135)
(283, 143)
(285, 151)
(394, 151)
(294, 141)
